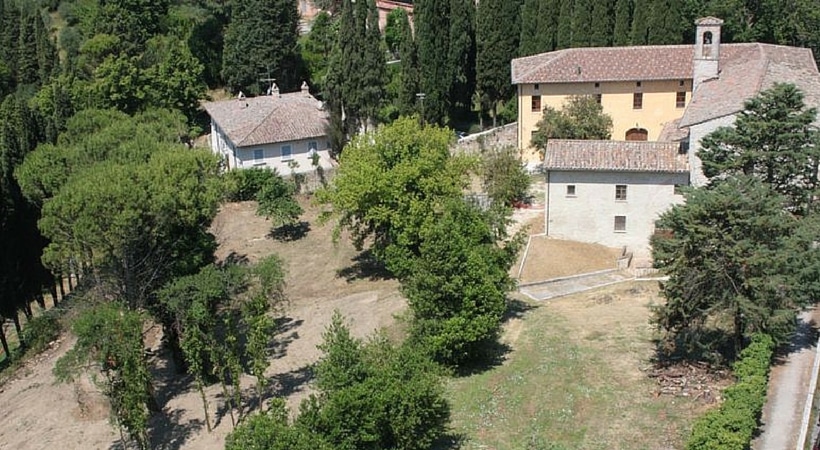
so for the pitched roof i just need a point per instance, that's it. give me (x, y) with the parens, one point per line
(747, 69)
(590, 64)
(269, 119)
(615, 156)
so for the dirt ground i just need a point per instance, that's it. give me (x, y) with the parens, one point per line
(552, 258)
(38, 414)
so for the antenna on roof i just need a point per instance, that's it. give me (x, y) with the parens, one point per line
(268, 79)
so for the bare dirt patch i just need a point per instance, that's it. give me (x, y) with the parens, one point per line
(322, 277)
(552, 258)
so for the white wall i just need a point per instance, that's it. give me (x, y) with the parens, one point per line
(589, 215)
(244, 157)
(696, 133)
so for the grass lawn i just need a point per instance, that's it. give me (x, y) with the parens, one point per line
(573, 379)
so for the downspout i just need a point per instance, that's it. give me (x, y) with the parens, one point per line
(547, 207)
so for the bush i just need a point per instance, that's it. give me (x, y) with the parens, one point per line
(271, 431)
(733, 424)
(41, 331)
(244, 184)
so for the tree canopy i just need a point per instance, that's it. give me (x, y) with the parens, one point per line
(581, 117)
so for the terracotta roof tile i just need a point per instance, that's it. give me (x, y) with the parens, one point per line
(269, 119)
(617, 156)
(747, 69)
(653, 62)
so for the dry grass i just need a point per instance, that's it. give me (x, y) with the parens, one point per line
(574, 380)
(552, 258)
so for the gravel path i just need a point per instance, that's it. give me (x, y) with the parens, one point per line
(788, 385)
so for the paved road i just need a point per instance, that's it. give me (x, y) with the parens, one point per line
(788, 387)
(571, 285)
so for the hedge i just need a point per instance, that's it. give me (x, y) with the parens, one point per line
(732, 425)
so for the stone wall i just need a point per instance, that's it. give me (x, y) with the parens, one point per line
(496, 137)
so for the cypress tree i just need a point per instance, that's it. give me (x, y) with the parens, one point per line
(261, 39)
(46, 52)
(601, 28)
(462, 53)
(409, 86)
(639, 35)
(665, 22)
(373, 71)
(10, 35)
(27, 51)
(563, 38)
(623, 19)
(548, 11)
(582, 23)
(497, 43)
(432, 21)
(528, 43)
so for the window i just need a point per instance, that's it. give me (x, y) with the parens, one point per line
(598, 98)
(620, 192)
(287, 154)
(680, 100)
(681, 83)
(537, 86)
(536, 103)
(620, 223)
(570, 190)
(637, 100)
(313, 146)
(258, 154)
(638, 84)
(597, 85)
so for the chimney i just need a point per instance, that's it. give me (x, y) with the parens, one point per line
(706, 61)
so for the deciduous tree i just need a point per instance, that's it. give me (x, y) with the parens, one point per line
(580, 118)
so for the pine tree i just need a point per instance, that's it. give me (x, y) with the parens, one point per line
(623, 19)
(432, 22)
(462, 53)
(563, 38)
(497, 43)
(601, 28)
(582, 23)
(27, 51)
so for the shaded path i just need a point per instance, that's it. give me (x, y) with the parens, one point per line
(788, 388)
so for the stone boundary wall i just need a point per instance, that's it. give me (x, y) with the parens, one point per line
(506, 135)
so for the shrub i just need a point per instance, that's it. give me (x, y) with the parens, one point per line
(42, 330)
(244, 184)
(271, 431)
(732, 425)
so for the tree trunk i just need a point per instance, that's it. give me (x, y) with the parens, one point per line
(70, 287)
(27, 310)
(60, 281)
(18, 329)
(738, 332)
(41, 300)
(8, 352)
(53, 289)
(495, 114)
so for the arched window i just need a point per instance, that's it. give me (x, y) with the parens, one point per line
(707, 44)
(637, 134)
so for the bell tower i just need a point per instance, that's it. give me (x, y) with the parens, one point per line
(707, 50)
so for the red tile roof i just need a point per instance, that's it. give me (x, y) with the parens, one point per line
(615, 156)
(591, 64)
(269, 119)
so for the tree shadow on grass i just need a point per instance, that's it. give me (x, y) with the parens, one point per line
(167, 431)
(712, 346)
(493, 353)
(286, 333)
(365, 267)
(450, 441)
(290, 232)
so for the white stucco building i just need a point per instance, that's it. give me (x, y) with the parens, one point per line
(612, 192)
(278, 131)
